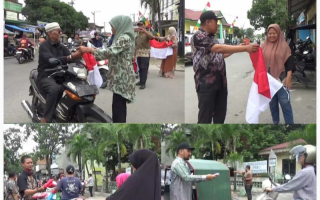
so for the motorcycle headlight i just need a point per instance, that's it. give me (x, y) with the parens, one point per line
(305, 52)
(82, 73)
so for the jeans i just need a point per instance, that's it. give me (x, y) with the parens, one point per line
(282, 97)
(143, 64)
(248, 191)
(90, 190)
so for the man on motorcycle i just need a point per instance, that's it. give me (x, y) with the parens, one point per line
(52, 48)
(77, 40)
(304, 182)
(96, 41)
(24, 44)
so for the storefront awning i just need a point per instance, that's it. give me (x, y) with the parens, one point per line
(305, 27)
(18, 28)
(8, 32)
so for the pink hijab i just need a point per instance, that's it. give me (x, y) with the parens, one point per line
(276, 54)
(121, 178)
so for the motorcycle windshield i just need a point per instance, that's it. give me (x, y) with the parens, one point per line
(298, 150)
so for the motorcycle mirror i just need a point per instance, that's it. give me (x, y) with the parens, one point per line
(54, 62)
(308, 38)
(287, 177)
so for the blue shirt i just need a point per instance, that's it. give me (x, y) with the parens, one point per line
(70, 187)
(97, 43)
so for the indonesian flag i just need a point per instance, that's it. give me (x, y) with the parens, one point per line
(160, 50)
(94, 75)
(263, 88)
(204, 10)
(146, 21)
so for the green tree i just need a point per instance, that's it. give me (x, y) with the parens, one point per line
(266, 12)
(12, 144)
(173, 141)
(49, 138)
(308, 134)
(234, 160)
(249, 32)
(76, 147)
(237, 32)
(55, 11)
(154, 6)
(208, 136)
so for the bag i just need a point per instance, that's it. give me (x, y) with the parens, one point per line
(58, 197)
(50, 197)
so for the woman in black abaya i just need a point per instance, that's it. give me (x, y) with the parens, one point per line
(145, 182)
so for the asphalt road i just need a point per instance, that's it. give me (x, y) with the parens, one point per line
(240, 76)
(161, 102)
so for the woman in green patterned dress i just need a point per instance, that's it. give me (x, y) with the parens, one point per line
(121, 76)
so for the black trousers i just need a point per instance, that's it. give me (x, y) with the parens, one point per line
(212, 106)
(119, 109)
(90, 190)
(143, 64)
(53, 92)
(248, 191)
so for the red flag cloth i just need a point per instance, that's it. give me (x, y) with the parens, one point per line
(135, 68)
(49, 184)
(90, 61)
(260, 75)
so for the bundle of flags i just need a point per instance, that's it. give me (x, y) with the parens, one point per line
(232, 25)
(204, 10)
(146, 22)
(263, 88)
(94, 75)
(160, 50)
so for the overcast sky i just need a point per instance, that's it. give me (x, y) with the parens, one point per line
(229, 8)
(114, 8)
(27, 147)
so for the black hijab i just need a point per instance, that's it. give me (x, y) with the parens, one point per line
(145, 183)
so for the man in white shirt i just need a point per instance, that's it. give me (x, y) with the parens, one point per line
(90, 184)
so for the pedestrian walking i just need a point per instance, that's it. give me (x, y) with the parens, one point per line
(181, 177)
(210, 69)
(277, 58)
(12, 191)
(168, 65)
(121, 78)
(27, 182)
(90, 184)
(145, 182)
(304, 183)
(247, 180)
(142, 53)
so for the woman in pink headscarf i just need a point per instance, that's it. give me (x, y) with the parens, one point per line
(277, 58)
(121, 178)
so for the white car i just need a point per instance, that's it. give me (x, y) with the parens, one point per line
(187, 47)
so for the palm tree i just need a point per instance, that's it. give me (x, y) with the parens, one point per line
(173, 141)
(154, 6)
(76, 146)
(209, 134)
(234, 160)
(139, 135)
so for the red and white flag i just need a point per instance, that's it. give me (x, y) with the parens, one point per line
(263, 88)
(160, 50)
(94, 75)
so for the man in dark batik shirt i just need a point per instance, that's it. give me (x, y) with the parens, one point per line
(210, 69)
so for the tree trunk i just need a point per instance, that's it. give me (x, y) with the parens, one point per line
(95, 178)
(107, 181)
(79, 163)
(48, 164)
(141, 142)
(87, 170)
(119, 157)
(159, 20)
(235, 181)
(212, 147)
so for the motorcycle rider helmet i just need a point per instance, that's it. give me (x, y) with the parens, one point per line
(308, 150)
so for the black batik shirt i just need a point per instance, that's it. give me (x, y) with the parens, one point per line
(26, 181)
(49, 49)
(209, 67)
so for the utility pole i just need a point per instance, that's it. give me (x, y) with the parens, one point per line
(94, 17)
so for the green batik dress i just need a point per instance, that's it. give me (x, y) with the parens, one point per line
(121, 76)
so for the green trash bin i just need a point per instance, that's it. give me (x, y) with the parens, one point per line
(216, 189)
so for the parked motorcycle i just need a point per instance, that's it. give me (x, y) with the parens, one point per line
(10, 51)
(77, 103)
(23, 54)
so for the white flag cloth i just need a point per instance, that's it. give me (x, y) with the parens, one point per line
(263, 88)
(94, 75)
(160, 50)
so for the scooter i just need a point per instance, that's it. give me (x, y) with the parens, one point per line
(23, 55)
(77, 103)
(270, 184)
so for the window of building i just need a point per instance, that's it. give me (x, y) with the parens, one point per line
(162, 5)
(288, 167)
(171, 15)
(167, 3)
(96, 172)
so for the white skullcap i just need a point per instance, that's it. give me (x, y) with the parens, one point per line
(52, 26)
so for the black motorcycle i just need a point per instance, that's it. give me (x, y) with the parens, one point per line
(76, 105)
(23, 55)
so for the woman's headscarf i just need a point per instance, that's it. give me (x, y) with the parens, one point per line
(172, 33)
(123, 25)
(145, 183)
(121, 178)
(276, 53)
